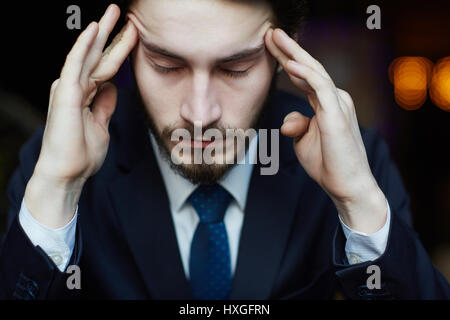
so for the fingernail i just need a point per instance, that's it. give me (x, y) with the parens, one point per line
(108, 10)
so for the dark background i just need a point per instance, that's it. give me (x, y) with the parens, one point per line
(35, 41)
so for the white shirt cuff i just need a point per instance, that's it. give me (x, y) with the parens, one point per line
(58, 244)
(361, 247)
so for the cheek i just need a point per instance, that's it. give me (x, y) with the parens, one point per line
(245, 99)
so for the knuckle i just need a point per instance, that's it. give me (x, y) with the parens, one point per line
(345, 96)
(54, 85)
(323, 84)
(65, 83)
(277, 56)
(298, 56)
(320, 65)
(347, 102)
(73, 57)
(347, 111)
(69, 58)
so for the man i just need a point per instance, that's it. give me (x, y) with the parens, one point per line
(109, 194)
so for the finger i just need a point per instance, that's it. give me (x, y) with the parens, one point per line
(295, 125)
(301, 84)
(283, 59)
(274, 50)
(294, 51)
(116, 53)
(323, 88)
(76, 57)
(105, 104)
(106, 25)
(319, 86)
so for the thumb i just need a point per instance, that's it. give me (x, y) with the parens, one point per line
(295, 125)
(105, 103)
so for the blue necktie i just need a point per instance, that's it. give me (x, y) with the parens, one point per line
(209, 263)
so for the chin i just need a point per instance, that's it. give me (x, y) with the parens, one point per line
(202, 173)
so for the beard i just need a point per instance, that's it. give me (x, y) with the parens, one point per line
(203, 173)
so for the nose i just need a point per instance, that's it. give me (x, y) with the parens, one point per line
(200, 103)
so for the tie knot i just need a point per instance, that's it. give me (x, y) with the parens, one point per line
(210, 202)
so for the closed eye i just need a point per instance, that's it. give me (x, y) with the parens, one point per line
(162, 69)
(235, 73)
(227, 72)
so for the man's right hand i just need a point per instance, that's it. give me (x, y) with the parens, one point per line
(76, 138)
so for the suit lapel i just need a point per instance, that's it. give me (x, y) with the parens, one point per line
(142, 205)
(268, 218)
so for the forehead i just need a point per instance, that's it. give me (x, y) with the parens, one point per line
(202, 28)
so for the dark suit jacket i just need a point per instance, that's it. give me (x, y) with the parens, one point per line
(291, 246)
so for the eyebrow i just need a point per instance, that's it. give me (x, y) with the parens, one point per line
(245, 53)
(234, 57)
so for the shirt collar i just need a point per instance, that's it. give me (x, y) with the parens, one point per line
(236, 181)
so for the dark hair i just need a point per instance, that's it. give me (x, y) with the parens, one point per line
(289, 15)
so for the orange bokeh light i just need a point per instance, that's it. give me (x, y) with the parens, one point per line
(440, 84)
(411, 77)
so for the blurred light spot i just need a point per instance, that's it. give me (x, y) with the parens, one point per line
(440, 84)
(411, 77)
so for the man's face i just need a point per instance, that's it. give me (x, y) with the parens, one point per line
(201, 61)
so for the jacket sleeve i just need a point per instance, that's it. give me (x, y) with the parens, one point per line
(26, 271)
(405, 269)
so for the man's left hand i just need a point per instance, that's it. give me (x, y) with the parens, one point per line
(329, 145)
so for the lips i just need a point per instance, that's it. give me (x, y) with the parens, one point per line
(200, 143)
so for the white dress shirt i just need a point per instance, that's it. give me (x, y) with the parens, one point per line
(59, 243)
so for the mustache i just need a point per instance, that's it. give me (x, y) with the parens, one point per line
(166, 133)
